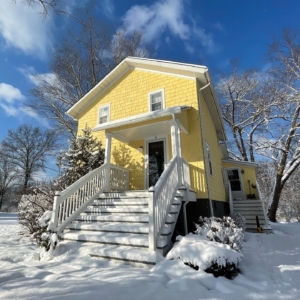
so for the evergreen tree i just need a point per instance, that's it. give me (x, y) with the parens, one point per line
(85, 154)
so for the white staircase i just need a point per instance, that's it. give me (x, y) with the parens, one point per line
(118, 226)
(250, 209)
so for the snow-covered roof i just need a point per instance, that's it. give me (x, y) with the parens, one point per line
(200, 73)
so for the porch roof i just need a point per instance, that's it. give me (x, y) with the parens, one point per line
(142, 130)
(239, 162)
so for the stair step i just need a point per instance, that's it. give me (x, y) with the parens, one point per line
(119, 210)
(134, 240)
(104, 203)
(252, 201)
(142, 218)
(111, 227)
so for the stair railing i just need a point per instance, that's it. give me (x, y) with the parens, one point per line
(262, 204)
(72, 201)
(160, 200)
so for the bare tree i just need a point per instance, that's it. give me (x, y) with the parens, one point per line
(263, 113)
(124, 44)
(285, 148)
(82, 58)
(249, 102)
(8, 176)
(46, 4)
(27, 148)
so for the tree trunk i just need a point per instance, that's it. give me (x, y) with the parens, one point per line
(276, 197)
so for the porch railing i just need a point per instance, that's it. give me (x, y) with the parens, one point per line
(119, 178)
(186, 172)
(71, 202)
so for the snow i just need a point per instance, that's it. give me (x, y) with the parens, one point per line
(270, 270)
(199, 251)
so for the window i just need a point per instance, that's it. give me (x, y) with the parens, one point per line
(156, 100)
(104, 112)
(209, 159)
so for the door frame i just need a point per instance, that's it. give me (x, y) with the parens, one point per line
(240, 176)
(157, 138)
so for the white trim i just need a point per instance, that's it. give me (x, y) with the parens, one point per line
(163, 105)
(141, 117)
(158, 138)
(108, 116)
(241, 179)
(239, 162)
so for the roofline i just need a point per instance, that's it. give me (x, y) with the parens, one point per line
(240, 162)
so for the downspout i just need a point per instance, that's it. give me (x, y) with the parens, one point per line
(204, 149)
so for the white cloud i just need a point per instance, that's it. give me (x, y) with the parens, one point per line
(155, 19)
(24, 28)
(9, 94)
(168, 15)
(11, 101)
(108, 7)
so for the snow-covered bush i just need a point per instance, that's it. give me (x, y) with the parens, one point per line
(198, 252)
(85, 153)
(239, 220)
(33, 206)
(43, 236)
(221, 230)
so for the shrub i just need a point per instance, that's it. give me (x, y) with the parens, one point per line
(221, 230)
(32, 207)
(239, 220)
(198, 252)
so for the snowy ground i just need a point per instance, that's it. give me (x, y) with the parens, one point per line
(270, 270)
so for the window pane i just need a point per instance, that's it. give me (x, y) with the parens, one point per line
(156, 98)
(103, 111)
(156, 106)
(103, 119)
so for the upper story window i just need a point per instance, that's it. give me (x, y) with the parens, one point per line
(209, 159)
(156, 100)
(104, 114)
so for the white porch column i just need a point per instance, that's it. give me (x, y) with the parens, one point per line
(176, 148)
(107, 160)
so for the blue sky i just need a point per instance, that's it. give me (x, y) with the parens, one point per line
(206, 32)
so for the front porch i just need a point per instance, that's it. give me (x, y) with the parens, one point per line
(141, 147)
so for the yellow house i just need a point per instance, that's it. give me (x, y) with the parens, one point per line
(164, 138)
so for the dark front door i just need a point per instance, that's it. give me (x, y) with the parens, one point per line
(156, 161)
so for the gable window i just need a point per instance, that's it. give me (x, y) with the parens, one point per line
(156, 100)
(209, 159)
(104, 114)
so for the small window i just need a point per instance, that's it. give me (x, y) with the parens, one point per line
(156, 100)
(209, 159)
(104, 112)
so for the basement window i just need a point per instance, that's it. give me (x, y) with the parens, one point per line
(209, 159)
(104, 114)
(156, 100)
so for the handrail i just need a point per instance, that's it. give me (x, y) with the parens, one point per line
(262, 204)
(69, 203)
(160, 200)
(119, 178)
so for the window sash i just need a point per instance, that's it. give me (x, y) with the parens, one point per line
(104, 114)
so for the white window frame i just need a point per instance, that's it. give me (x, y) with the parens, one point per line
(162, 91)
(108, 116)
(209, 161)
